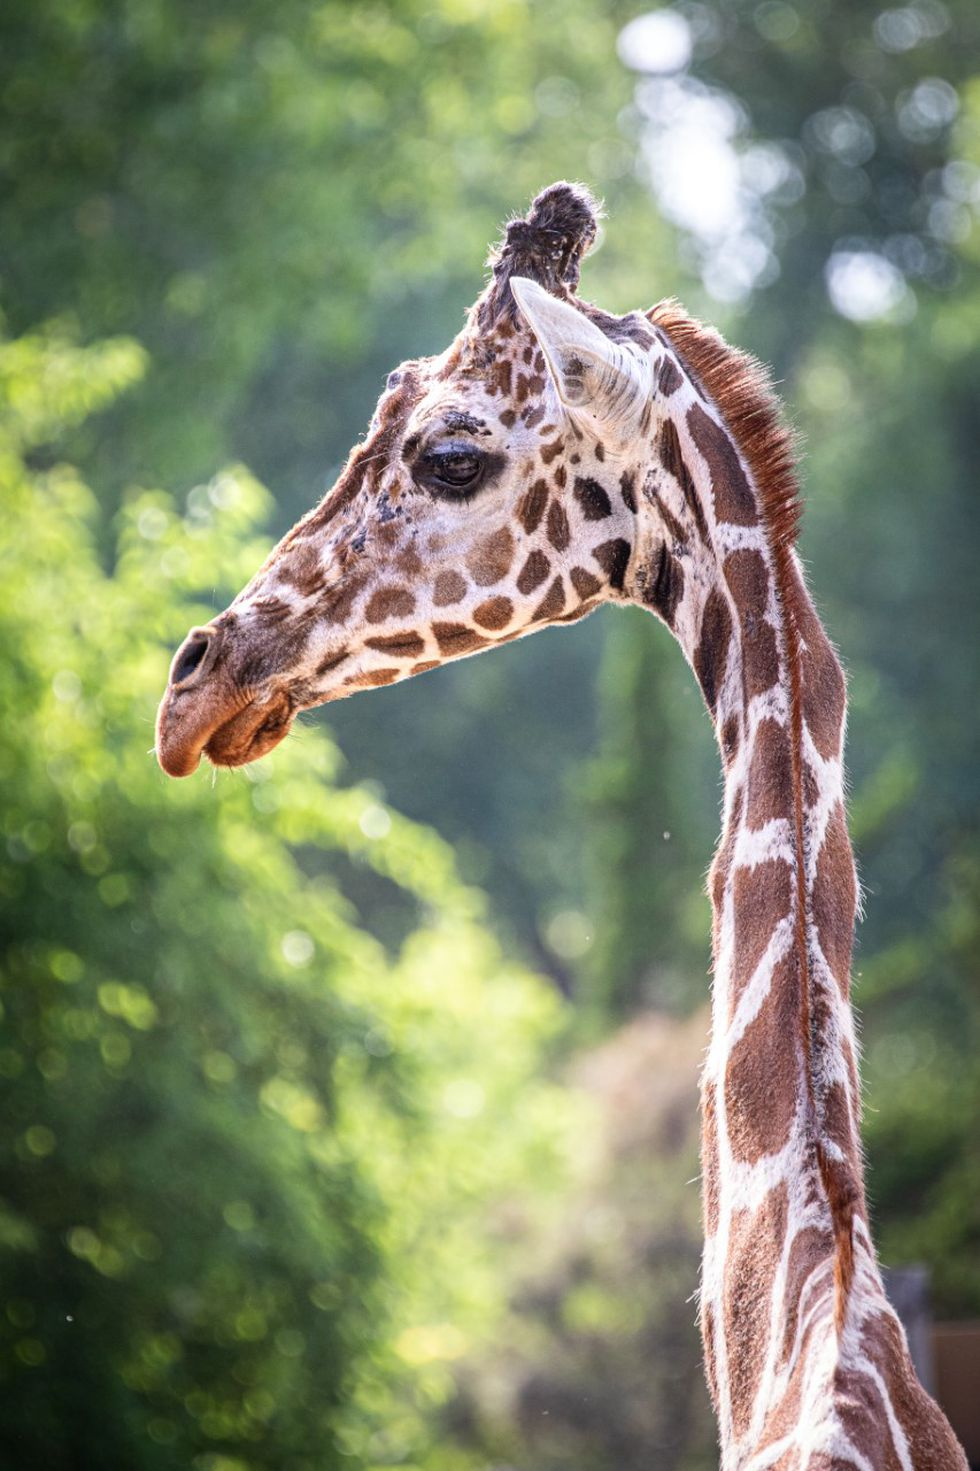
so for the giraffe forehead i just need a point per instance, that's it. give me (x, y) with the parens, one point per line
(481, 405)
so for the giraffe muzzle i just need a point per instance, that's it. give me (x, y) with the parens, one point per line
(205, 711)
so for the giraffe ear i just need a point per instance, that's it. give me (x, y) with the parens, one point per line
(609, 382)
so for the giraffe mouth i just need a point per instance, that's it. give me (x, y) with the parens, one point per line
(232, 730)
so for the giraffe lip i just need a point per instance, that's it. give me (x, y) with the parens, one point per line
(251, 733)
(215, 723)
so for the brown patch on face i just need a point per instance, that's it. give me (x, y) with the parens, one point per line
(533, 573)
(409, 562)
(533, 417)
(495, 613)
(669, 378)
(558, 531)
(561, 477)
(663, 585)
(627, 489)
(389, 602)
(672, 459)
(303, 568)
(549, 452)
(531, 508)
(835, 898)
(552, 603)
(584, 583)
(593, 500)
(711, 654)
(734, 501)
(332, 661)
(456, 638)
(501, 378)
(268, 612)
(338, 606)
(508, 418)
(614, 557)
(762, 1073)
(491, 558)
(373, 679)
(763, 895)
(404, 645)
(755, 1242)
(448, 588)
(528, 386)
(426, 665)
(600, 451)
(770, 784)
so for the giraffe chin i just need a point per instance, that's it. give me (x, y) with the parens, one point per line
(245, 736)
(251, 734)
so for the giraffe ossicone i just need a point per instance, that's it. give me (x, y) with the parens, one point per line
(553, 458)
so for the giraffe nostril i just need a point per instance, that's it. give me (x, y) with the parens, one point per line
(189, 658)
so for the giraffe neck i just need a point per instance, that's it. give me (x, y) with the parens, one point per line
(787, 1246)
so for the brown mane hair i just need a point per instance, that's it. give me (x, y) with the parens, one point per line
(741, 388)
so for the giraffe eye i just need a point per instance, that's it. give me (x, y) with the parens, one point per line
(452, 469)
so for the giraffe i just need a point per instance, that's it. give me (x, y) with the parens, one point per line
(554, 458)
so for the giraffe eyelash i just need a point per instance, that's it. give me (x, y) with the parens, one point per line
(456, 470)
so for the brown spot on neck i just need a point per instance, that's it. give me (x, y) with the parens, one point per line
(734, 501)
(669, 378)
(711, 655)
(672, 459)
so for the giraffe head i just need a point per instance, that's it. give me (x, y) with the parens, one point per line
(494, 494)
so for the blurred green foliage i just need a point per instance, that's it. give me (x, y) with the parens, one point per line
(279, 1140)
(247, 1152)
